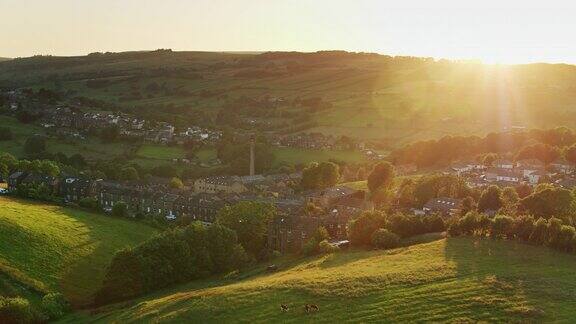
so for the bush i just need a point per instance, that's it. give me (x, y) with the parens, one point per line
(89, 203)
(384, 239)
(54, 305)
(362, 228)
(523, 227)
(503, 226)
(325, 247)
(311, 247)
(175, 256)
(17, 310)
(120, 209)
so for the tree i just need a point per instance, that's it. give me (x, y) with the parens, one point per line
(489, 159)
(312, 246)
(491, 199)
(523, 227)
(129, 174)
(468, 205)
(381, 177)
(548, 202)
(384, 239)
(174, 256)
(49, 168)
(543, 152)
(317, 176)
(120, 209)
(176, 183)
(250, 222)
(510, 201)
(503, 226)
(361, 229)
(570, 153)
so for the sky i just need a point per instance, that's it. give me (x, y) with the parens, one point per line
(502, 31)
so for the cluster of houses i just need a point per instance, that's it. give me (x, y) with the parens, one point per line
(204, 197)
(315, 141)
(504, 173)
(74, 122)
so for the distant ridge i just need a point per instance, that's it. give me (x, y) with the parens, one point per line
(4, 59)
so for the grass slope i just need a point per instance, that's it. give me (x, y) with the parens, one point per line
(455, 279)
(64, 249)
(372, 96)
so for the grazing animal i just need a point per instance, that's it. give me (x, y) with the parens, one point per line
(311, 308)
(284, 307)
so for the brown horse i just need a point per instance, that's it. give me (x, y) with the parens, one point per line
(311, 308)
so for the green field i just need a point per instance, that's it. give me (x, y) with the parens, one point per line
(64, 249)
(160, 152)
(295, 156)
(461, 280)
(206, 155)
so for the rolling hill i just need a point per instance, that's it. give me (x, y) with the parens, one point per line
(397, 99)
(447, 280)
(52, 248)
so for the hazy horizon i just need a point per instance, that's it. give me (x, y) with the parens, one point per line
(511, 32)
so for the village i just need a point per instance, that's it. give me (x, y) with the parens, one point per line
(334, 207)
(77, 121)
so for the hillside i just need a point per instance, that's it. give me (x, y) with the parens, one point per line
(455, 279)
(396, 99)
(61, 249)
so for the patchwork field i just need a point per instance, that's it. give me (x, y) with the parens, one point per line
(62, 249)
(449, 280)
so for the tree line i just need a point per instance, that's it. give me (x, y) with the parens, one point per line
(545, 145)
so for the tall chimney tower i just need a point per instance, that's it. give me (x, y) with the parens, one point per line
(252, 144)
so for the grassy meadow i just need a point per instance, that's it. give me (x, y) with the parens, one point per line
(160, 152)
(62, 249)
(291, 155)
(463, 280)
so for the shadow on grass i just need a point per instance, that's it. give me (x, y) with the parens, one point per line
(518, 280)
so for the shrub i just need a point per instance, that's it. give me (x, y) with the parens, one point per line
(326, 247)
(120, 209)
(523, 227)
(469, 224)
(564, 239)
(54, 305)
(89, 203)
(540, 233)
(310, 247)
(384, 239)
(362, 228)
(503, 226)
(17, 310)
(175, 256)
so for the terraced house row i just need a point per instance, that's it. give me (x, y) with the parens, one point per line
(289, 229)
